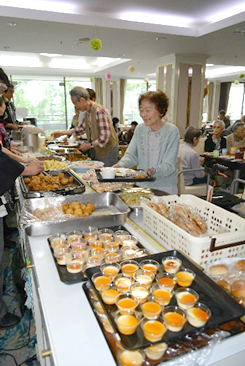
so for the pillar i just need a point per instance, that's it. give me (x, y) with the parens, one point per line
(182, 77)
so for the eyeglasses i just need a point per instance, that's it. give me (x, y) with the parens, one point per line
(3, 85)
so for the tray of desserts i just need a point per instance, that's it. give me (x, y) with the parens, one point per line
(164, 351)
(63, 182)
(167, 298)
(75, 251)
(126, 175)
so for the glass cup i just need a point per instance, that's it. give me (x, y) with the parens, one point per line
(90, 233)
(166, 280)
(109, 296)
(95, 244)
(79, 243)
(80, 254)
(141, 253)
(175, 318)
(63, 255)
(74, 236)
(120, 235)
(111, 246)
(139, 293)
(94, 260)
(100, 281)
(131, 358)
(126, 304)
(153, 329)
(74, 265)
(143, 279)
(157, 351)
(110, 270)
(185, 277)
(122, 283)
(105, 234)
(149, 265)
(112, 257)
(129, 267)
(129, 252)
(198, 315)
(107, 324)
(151, 309)
(129, 241)
(171, 264)
(98, 251)
(186, 297)
(127, 323)
(56, 239)
(161, 295)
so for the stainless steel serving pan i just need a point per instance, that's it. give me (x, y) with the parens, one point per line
(109, 211)
(79, 186)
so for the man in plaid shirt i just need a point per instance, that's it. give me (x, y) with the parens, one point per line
(102, 141)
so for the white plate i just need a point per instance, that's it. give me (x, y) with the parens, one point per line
(71, 144)
(120, 172)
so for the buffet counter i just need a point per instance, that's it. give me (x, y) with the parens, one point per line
(67, 330)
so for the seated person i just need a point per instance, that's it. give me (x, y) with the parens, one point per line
(237, 138)
(216, 141)
(130, 132)
(223, 117)
(119, 132)
(190, 158)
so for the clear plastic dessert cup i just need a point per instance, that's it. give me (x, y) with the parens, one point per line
(112, 257)
(186, 297)
(185, 277)
(149, 265)
(198, 315)
(110, 270)
(153, 329)
(161, 296)
(56, 239)
(109, 296)
(122, 283)
(175, 318)
(105, 234)
(126, 304)
(157, 351)
(130, 358)
(143, 279)
(74, 266)
(101, 282)
(151, 309)
(74, 236)
(90, 233)
(166, 280)
(171, 264)
(127, 323)
(129, 267)
(139, 293)
(63, 255)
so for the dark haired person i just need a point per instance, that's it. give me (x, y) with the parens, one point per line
(190, 158)
(237, 138)
(130, 132)
(92, 94)
(155, 144)
(222, 117)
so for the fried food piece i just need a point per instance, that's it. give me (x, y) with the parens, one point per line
(64, 181)
(70, 179)
(27, 180)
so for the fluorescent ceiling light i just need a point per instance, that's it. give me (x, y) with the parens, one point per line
(43, 5)
(215, 72)
(227, 13)
(50, 54)
(163, 19)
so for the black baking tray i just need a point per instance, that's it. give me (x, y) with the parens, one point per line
(64, 190)
(72, 278)
(224, 308)
(124, 179)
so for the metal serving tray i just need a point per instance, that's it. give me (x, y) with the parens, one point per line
(224, 308)
(79, 188)
(124, 179)
(109, 211)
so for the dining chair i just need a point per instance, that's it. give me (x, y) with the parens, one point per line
(197, 190)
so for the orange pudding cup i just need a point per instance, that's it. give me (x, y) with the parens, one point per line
(129, 268)
(123, 283)
(186, 297)
(109, 296)
(151, 309)
(139, 293)
(171, 264)
(153, 329)
(130, 241)
(175, 318)
(105, 234)
(198, 315)
(166, 280)
(111, 246)
(63, 255)
(98, 251)
(90, 233)
(112, 257)
(129, 252)
(120, 235)
(127, 323)
(131, 358)
(101, 282)
(74, 266)
(161, 296)
(157, 351)
(143, 279)
(110, 270)
(185, 277)
(78, 244)
(74, 236)
(126, 304)
(95, 244)
(57, 239)
(149, 265)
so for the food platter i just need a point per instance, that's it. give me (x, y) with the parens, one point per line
(223, 307)
(128, 178)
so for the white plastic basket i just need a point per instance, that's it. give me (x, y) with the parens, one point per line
(205, 249)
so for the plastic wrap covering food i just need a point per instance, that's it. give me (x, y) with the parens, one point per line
(57, 210)
(182, 215)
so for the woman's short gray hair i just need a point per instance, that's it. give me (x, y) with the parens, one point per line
(221, 122)
(79, 92)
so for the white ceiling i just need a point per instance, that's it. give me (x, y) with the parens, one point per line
(128, 30)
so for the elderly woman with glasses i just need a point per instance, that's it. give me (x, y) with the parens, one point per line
(216, 141)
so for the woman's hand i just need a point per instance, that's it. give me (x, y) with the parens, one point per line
(57, 134)
(85, 147)
(116, 166)
(150, 171)
(16, 152)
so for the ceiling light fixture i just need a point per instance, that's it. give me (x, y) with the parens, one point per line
(237, 33)
(83, 39)
(10, 24)
(50, 54)
(160, 38)
(6, 47)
